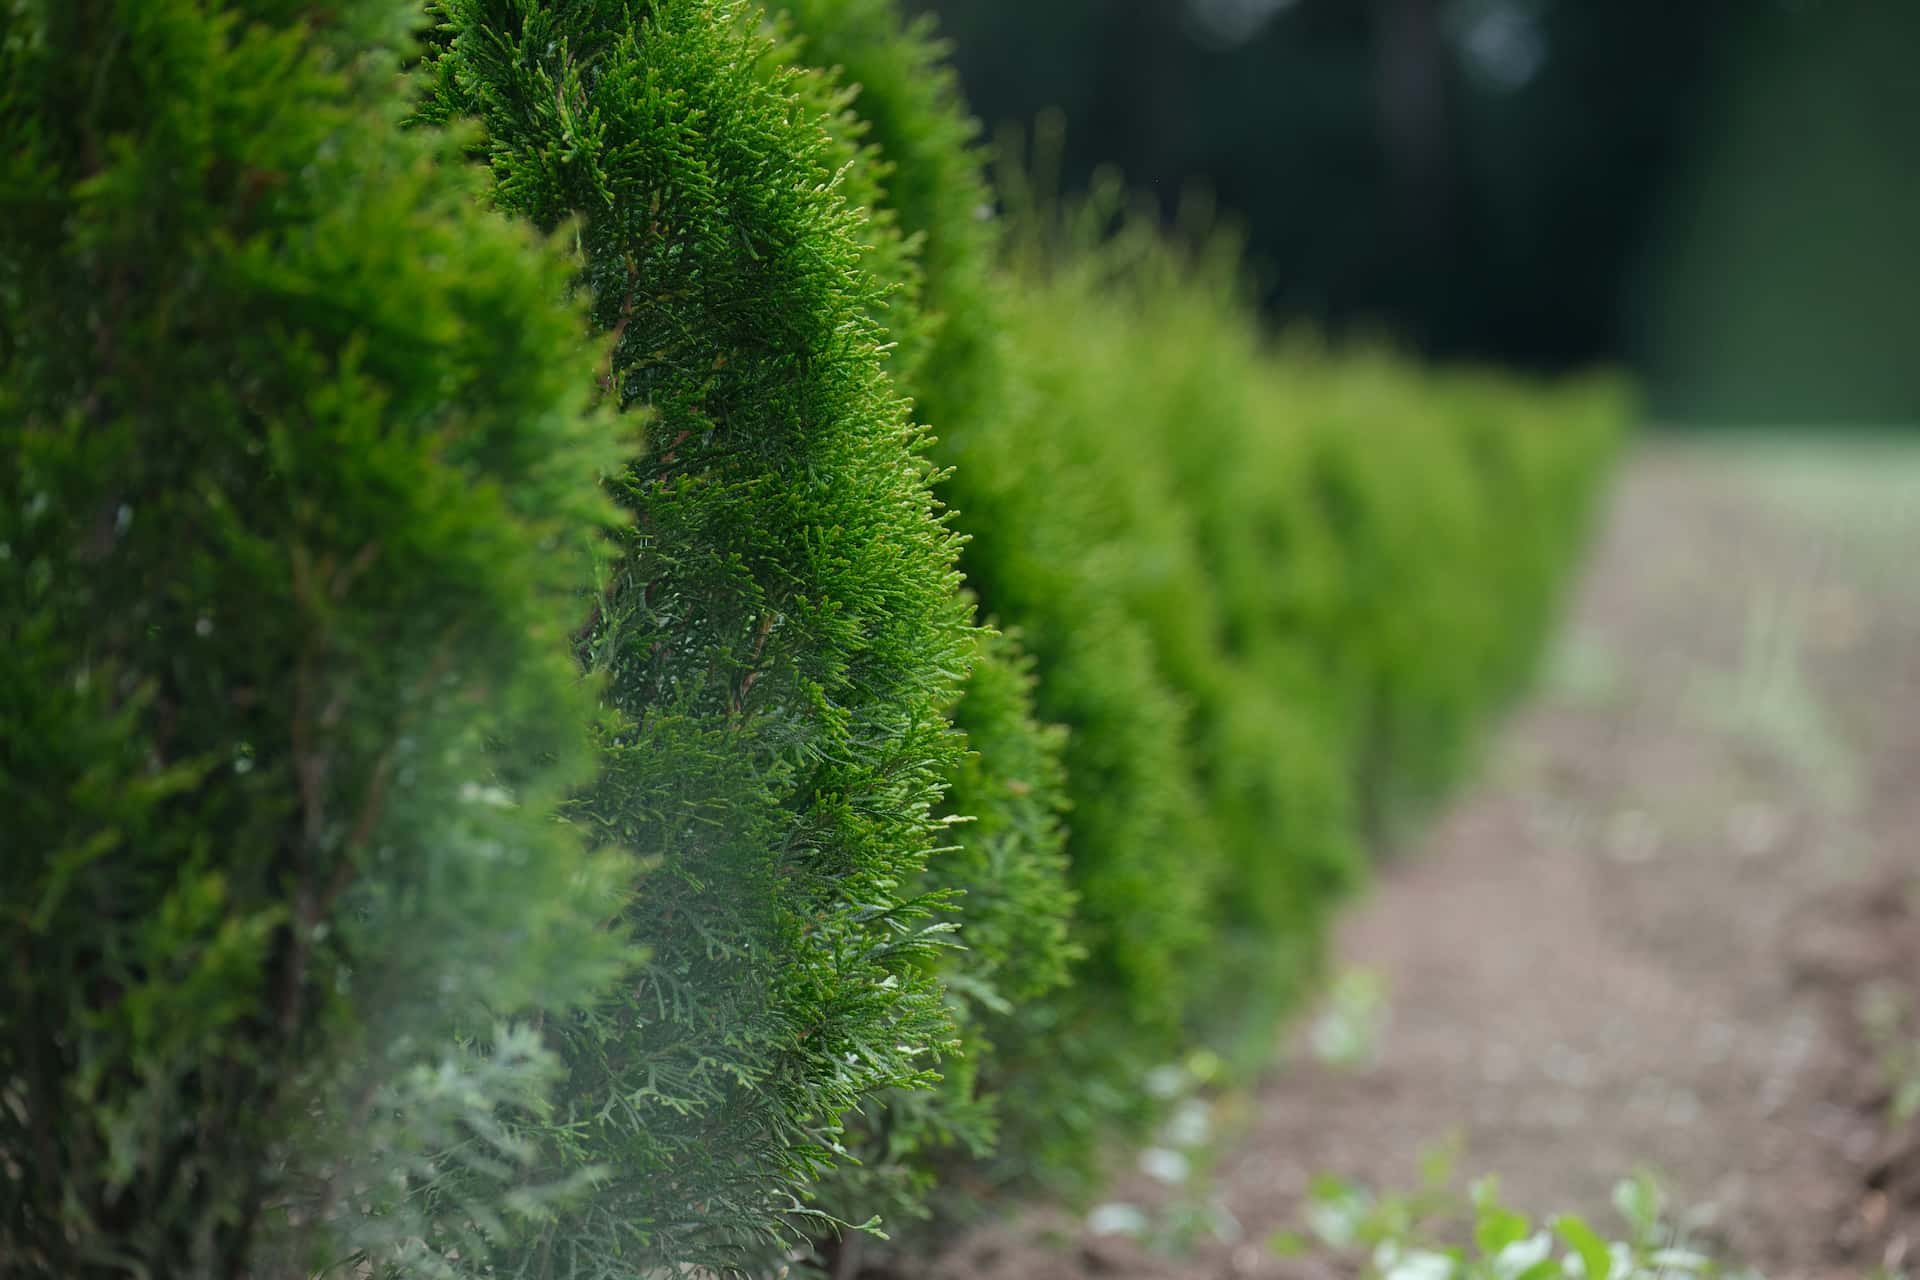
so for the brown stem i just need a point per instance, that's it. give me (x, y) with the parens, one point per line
(605, 377)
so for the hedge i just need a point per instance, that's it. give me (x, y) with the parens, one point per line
(1343, 565)
(1274, 592)
(297, 507)
(313, 582)
(783, 631)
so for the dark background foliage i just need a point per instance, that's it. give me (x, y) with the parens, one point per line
(1539, 182)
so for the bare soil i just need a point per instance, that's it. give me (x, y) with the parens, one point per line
(1640, 940)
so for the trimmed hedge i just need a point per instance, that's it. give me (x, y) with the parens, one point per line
(1343, 565)
(298, 560)
(783, 631)
(1273, 593)
(1133, 811)
(297, 499)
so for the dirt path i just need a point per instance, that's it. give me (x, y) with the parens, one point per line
(1637, 942)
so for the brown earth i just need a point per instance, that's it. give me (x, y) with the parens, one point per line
(1640, 940)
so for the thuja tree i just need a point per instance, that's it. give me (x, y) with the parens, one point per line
(297, 503)
(1380, 544)
(1007, 861)
(1012, 914)
(1453, 560)
(1229, 563)
(781, 632)
(1043, 555)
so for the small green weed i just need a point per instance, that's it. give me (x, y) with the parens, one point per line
(1349, 1030)
(1886, 1016)
(1414, 1236)
(1182, 1157)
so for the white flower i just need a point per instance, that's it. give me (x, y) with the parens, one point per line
(1117, 1220)
(1336, 1219)
(1521, 1254)
(1165, 1166)
(1420, 1264)
(1166, 1082)
(1190, 1124)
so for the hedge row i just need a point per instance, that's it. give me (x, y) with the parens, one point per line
(298, 506)
(352, 933)
(1274, 592)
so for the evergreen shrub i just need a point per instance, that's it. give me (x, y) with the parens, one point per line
(1273, 591)
(297, 507)
(1384, 541)
(1007, 861)
(314, 556)
(1095, 559)
(783, 632)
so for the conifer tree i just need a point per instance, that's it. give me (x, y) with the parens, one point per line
(297, 509)
(782, 632)
(1042, 557)
(1007, 861)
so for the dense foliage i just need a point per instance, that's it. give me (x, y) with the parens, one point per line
(783, 631)
(1437, 1230)
(1272, 593)
(296, 509)
(311, 577)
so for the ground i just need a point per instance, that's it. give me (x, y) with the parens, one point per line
(1655, 934)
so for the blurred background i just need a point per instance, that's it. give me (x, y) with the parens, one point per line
(1722, 195)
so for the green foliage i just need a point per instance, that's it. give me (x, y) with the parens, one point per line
(306, 513)
(1437, 1234)
(1340, 564)
(1011, 913)
(1007, 863)
(1272, 593)
(906, 104)
(1132, 807)
(1455, 502)
(297, 503)
(1885, 1015)
(783, 630)
(1195, 506)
